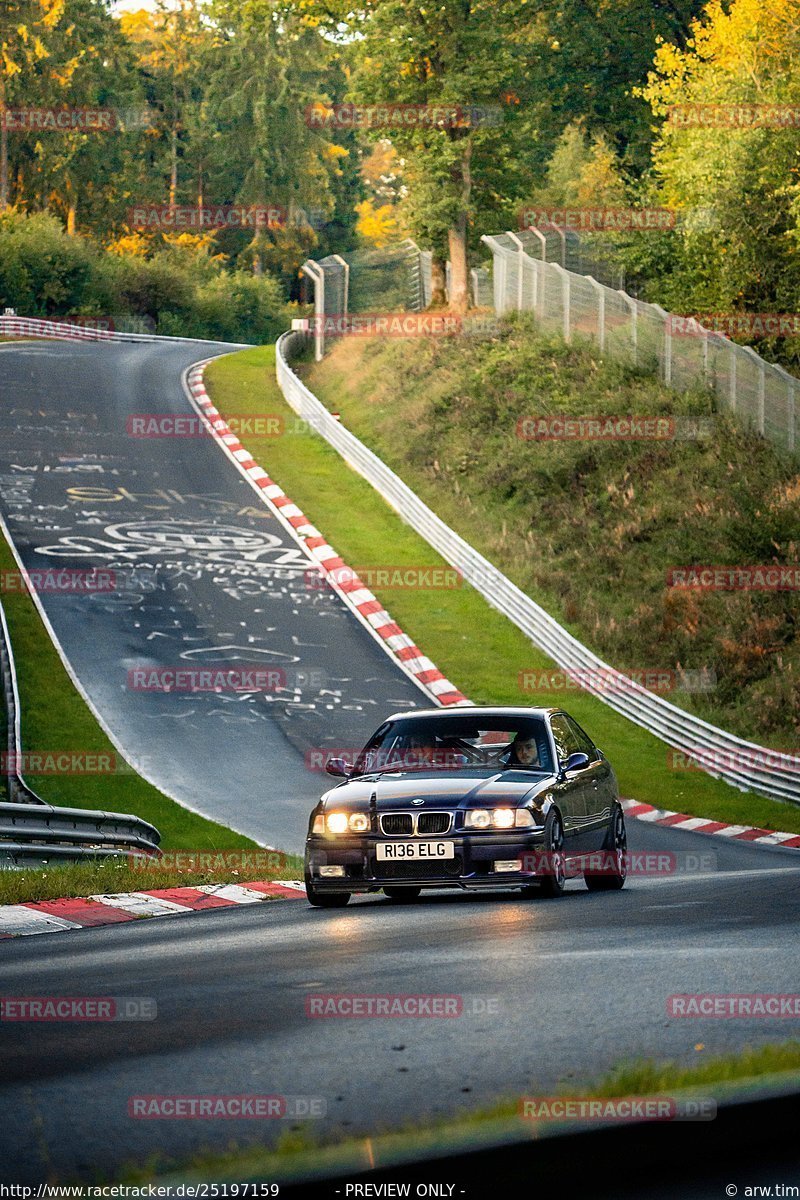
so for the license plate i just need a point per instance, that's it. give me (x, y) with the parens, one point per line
(395, 851)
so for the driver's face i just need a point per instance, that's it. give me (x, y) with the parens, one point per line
(526, 752)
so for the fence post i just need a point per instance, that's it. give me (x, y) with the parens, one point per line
(792, 405)
(520, 274)
(601, 312)
(346, 266)
(732, 380)
(762, 387)
(317, 275)
(565, 300)
(634, 311)
(667, 319)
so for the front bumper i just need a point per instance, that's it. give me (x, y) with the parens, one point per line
(471, 867)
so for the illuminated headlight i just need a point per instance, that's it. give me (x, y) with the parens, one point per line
(319, 824)
(340, 822)
(498, 818)
(331, 872)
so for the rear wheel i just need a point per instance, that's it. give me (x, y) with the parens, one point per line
(614, 870)
(325, 899)
(402, 895)
(554, 878)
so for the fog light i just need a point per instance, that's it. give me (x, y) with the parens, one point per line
(506, 864)
(331, 872)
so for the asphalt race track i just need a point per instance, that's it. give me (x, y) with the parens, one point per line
(560, 990)
(203, 576)
(552, 991)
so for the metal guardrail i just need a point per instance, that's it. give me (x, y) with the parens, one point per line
(743, 764)
(40, 327)
(34, 832)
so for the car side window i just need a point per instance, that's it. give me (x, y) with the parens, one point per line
(564, 738)
(585, 743)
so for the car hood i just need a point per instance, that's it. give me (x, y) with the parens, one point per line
(446, 789)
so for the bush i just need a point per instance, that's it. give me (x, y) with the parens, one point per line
(43, 272)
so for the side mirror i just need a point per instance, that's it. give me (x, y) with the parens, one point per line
(338, 766)
(577, 761)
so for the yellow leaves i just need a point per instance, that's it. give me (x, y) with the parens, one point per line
(377, 225)
(331, 152)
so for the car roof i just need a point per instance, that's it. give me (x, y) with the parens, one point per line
(471, 710)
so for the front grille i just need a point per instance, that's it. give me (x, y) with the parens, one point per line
(407, 823)
(444, 869)
(434, 822)
(397, 823)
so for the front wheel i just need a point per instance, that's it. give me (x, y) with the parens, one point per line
(614, 871)
(552, 882)
(325, 899)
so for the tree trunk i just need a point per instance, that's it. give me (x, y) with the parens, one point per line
(457, 235)
(438, 280)
(3, 148)
(459, 271)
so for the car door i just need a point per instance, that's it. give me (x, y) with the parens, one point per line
(569, 791)
(599, 784)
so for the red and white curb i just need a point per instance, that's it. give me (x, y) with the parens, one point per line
(340, 577)
(51, 916)
(740, 833)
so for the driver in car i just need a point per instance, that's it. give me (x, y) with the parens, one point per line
(523, 752)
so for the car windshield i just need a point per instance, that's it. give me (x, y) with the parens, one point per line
(458, 743)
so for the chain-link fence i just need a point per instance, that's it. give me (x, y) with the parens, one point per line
(682, 351)
(380, 280)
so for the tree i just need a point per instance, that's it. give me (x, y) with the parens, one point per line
(737, 187)
(23, 34)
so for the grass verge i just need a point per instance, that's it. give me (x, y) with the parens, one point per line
(93, 879)
(480, 650)
(299, 1155)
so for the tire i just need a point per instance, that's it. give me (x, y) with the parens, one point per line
(551, 886)
(615, 844)
(325, 899)
(402, 895)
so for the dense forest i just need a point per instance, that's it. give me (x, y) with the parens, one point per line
(308, 127)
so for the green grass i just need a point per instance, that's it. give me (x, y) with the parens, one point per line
(298, 1154)
(54, 716)
(478, 649)
(589, 529)
(91, 879)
